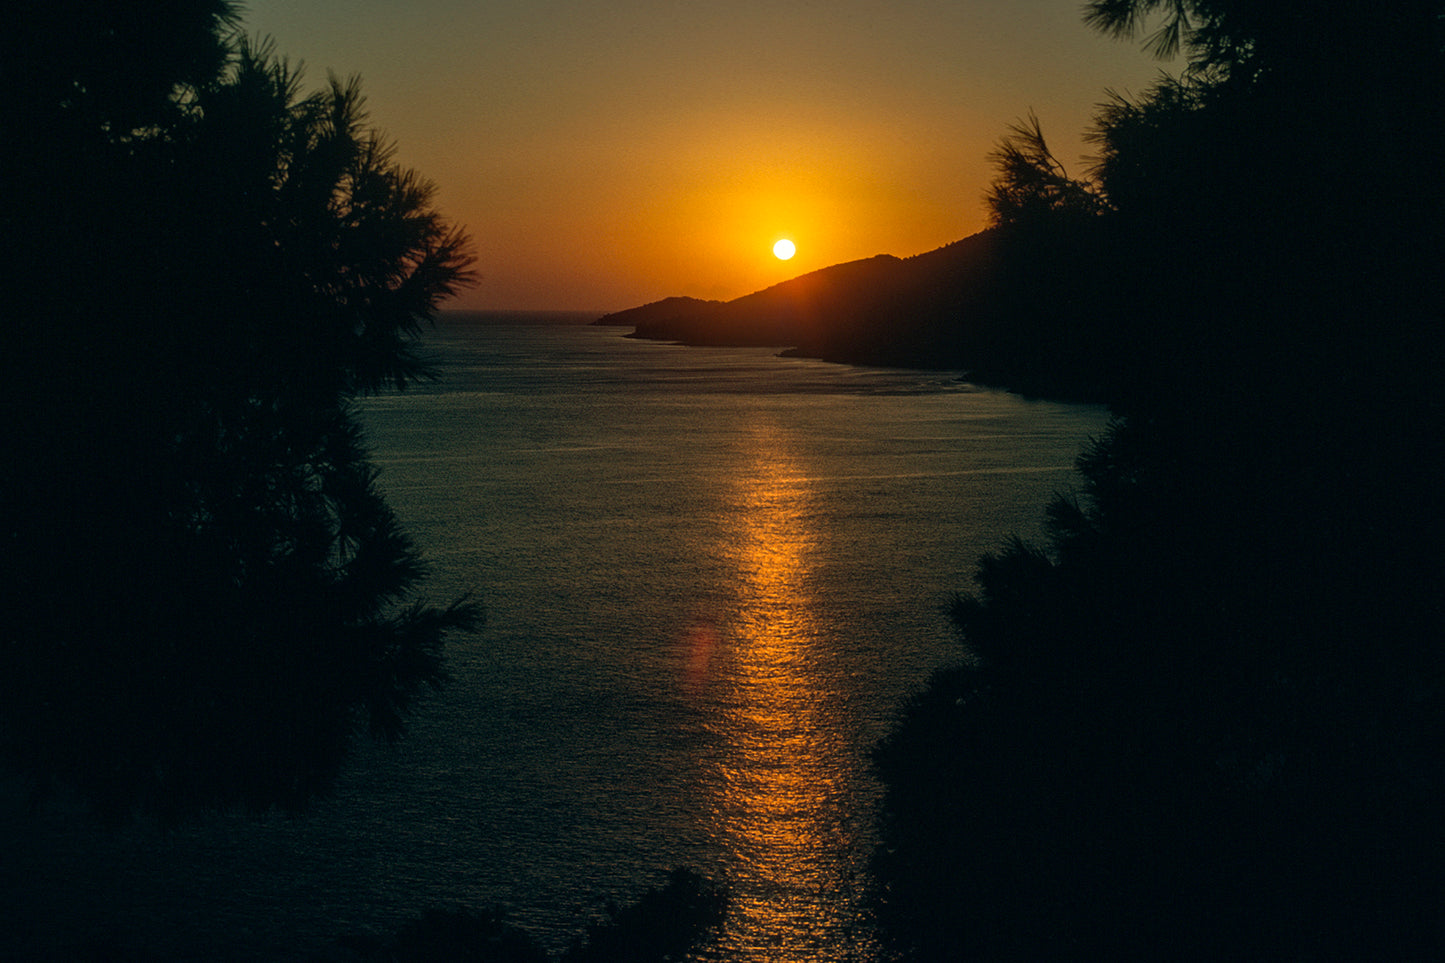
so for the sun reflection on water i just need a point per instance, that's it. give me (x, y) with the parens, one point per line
(777, 800)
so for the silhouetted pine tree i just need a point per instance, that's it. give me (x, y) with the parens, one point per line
(204, 595)
(1205, 719)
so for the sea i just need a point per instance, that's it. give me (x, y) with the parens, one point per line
(712, 577)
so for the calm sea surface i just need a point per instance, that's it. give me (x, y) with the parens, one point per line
(711, 577)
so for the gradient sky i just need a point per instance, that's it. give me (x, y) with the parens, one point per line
(604, 155)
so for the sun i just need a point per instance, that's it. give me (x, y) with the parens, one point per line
(784, 249)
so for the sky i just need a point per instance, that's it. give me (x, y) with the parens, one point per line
(605, 155)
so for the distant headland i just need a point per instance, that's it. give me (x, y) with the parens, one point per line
(947, 308)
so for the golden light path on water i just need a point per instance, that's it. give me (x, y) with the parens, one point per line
(776, 801)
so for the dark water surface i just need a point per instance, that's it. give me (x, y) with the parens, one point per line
(711, 577)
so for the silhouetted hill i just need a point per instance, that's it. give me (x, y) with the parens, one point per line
(873, 305)
(798, 313)
(953, 307)
(669, 314)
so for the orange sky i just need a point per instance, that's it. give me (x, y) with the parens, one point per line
(607, 155)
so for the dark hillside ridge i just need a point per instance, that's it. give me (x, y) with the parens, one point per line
(947, 308)
(870, 306)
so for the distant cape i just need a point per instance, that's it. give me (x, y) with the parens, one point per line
(1005, 314)
(878, 310)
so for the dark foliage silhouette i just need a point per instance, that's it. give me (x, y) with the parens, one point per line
(1204, 720)
(1188, 729)
(204, 593)
(1032, 184)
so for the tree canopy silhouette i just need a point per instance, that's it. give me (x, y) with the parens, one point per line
(204, 593)
(1204, 719)
(1032, 183)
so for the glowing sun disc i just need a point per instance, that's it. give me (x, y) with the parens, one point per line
(784, 249)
